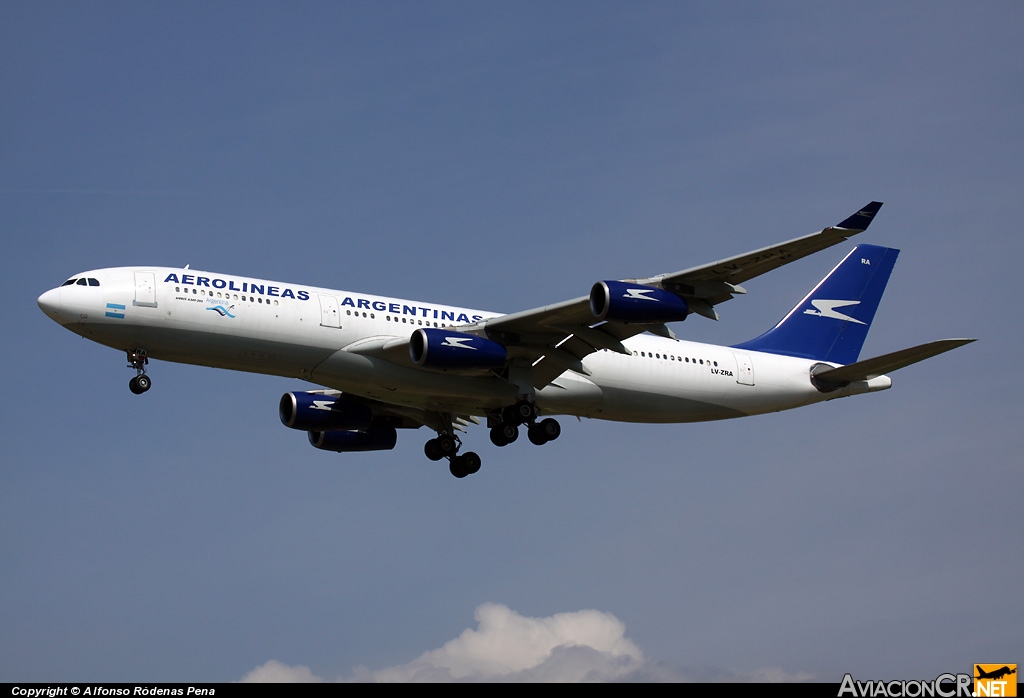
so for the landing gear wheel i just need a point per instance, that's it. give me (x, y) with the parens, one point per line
(471, 462)
(432, 450)
(544, 431)
(520, 413)
(447, 445)
(137, 359)
(457, 468)
(466, 464)
(550, 428)
(525, 410)
(504, 434)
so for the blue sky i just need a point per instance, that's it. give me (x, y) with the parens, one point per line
(505, 156)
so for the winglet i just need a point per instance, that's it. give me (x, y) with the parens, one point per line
(862, 219)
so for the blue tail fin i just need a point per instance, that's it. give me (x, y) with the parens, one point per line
(832, 321)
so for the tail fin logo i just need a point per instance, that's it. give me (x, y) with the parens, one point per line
(828, 309)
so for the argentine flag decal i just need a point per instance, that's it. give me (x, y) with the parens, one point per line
(115, 310)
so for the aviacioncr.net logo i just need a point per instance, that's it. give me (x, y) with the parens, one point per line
(995, 680)
(945, 686)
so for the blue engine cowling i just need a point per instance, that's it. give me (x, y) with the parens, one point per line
(372, 439)
(436, 348)
(626, 302)
(319, 412)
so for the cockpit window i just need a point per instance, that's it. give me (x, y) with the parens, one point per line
(69, 282)
(94, 282)
(83, 282)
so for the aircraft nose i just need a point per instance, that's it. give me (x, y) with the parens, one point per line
(49, 303)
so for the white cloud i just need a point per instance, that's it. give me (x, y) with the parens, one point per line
(276, 672)
(579, 646)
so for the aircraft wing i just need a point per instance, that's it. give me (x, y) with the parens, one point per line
(716, 282)
(557, 337)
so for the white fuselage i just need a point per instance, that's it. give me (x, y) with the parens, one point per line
(315, 334)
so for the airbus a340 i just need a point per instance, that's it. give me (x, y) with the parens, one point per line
(388, 364)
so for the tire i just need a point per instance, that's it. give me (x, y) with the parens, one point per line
(143, 382)
(133, 385)
(525, 411)
(447, 445)
(471, 462)
(432, 450)
(551, 429)
(497, 437)
(536, 436)
(457, 468)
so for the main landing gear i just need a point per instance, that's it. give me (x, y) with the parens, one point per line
(505, 430)
(137, 359)
(447, 446)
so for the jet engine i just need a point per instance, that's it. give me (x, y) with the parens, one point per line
(319, 412)
(625, 302)
(372, 439)
(436, 348)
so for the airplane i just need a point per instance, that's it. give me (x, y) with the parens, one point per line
(386, 364)
(994, 674)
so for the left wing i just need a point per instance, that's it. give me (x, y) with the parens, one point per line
(557, 337)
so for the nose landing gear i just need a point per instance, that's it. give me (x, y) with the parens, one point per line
(138, 359)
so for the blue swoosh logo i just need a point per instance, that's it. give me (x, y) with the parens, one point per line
(221, 310)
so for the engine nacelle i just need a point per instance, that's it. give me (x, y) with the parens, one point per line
(626, 302)
(372, 439)
(319, 412)
(437, 348)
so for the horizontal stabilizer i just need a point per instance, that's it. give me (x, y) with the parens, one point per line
(880, 365)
